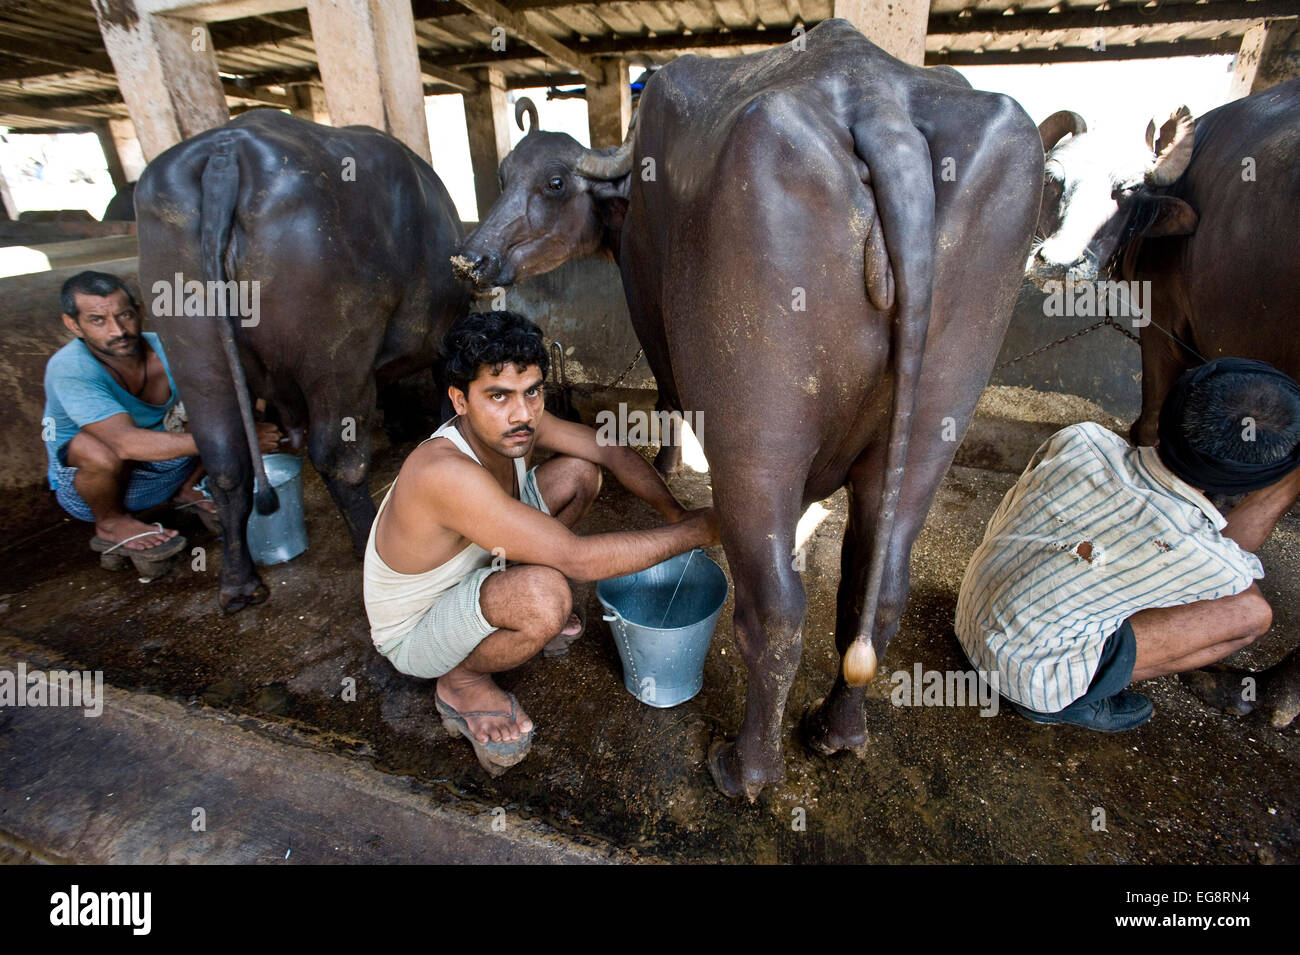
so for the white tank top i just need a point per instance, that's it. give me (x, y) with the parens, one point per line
(395, 601)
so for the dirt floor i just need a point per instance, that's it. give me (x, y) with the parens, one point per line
(935, 784)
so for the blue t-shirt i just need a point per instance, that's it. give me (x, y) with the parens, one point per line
(80, 391)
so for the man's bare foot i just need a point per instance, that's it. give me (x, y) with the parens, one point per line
(192, 495)
(118, 529)
(470, 692)
(559, 644)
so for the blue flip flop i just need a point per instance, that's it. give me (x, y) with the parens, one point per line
(496, 758)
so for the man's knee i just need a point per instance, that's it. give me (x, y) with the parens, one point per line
(575, 479)
(548, 599)
(88, 452)
(1259, 615)
(537, 600)
(589, 479)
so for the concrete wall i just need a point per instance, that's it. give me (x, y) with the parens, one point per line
(1102, 366)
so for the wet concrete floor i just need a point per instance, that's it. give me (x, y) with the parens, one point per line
(935, 784)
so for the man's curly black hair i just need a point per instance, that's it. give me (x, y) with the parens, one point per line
(1215, 411)
(493, 339)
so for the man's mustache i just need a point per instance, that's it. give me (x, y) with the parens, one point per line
(125, 339)
(522, 429)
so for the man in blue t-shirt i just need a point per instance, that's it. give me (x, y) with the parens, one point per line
(107, 395)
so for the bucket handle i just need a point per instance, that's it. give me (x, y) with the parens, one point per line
(609, 617)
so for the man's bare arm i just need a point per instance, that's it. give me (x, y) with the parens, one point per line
(471, 503)
(1256, 514)
(626, 464)
(139, 444)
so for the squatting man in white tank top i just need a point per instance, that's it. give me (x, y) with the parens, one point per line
(441, 599)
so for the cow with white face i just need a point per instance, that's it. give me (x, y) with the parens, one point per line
(1093, 185)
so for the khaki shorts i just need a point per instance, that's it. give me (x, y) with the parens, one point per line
(451, 629)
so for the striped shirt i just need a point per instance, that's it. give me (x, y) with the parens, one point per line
(1094, 531)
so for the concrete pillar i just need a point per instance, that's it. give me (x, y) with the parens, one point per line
(309, 99)
(609, 105)
(896, 26)
(128, 148)
(111, 157)
(1269, 55)
(166, 71)
(369, 65)
(487, 120)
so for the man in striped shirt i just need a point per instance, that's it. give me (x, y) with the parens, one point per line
(1107, 564)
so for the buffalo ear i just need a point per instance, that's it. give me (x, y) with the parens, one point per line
(613, 212)
(1175, 217)
(611, 197)
(618, 188)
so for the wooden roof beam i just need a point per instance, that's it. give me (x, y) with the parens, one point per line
(1084, 54)
(461, 82)
(10, 107)
(517, 26)
(1127, 15)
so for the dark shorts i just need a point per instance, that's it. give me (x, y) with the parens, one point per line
(149, 484)
(1115, 671)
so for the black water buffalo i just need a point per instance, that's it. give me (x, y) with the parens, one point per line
(338, 240)
(1208, 213)
(820, 247)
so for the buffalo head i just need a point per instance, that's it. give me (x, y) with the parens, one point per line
(1098, 196)
(559, 200)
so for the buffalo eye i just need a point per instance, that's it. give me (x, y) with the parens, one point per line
(555, 184)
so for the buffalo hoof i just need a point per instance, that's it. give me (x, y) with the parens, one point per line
(731, 779)
(1220, 688)
(233, 601)
(668, 462)
(1283, 708)
(823, 738)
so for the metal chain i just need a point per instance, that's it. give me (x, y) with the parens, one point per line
(626, 371)
(1073, 335)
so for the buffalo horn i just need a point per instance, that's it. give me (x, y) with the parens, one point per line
(523, 106)
(616, 165)
(1173, 148)
(1053, 129)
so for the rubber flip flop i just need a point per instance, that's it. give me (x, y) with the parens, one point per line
(496, 758)
(560, 643)
(161, 551)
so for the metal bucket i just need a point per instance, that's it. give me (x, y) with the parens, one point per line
(663, 622)
(275, 538)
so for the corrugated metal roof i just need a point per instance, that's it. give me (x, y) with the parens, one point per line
(54, 69)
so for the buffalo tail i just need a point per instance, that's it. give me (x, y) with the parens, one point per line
(898, 159)
(220, 191)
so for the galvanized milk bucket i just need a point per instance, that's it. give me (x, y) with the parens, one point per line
(663, 620)
(275, 538)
